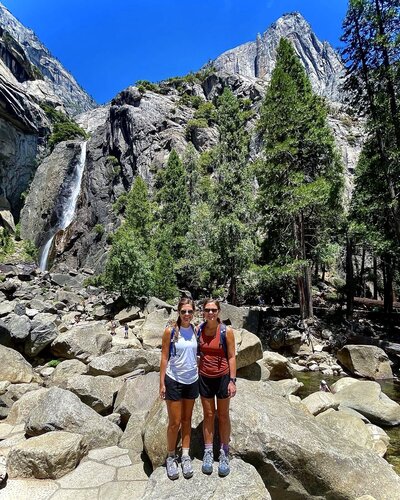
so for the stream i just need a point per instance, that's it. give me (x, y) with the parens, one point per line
(391, 388)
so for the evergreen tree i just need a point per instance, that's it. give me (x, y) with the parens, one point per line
(300, 174)
(174, 203)
(232, 210)
(164, 278)
(371, 55)
(139, 211)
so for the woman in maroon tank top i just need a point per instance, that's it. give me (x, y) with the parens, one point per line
(217, 383)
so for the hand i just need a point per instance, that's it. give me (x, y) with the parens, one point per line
(231, 389)
(162, 391)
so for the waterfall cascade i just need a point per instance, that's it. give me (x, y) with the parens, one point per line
(67, 207)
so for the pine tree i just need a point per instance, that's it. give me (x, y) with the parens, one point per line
(300, 175)
(231, 238)
(139, 211)
(371, 54)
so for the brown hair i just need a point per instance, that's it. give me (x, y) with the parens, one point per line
(183, 302)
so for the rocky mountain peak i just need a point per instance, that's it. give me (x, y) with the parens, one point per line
(257, 58)
(58, 80)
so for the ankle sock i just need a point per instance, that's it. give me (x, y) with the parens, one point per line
(225, 448)
(185, 452)
(208, 447)
(171, 453)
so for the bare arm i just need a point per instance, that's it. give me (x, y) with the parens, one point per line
(230, 345)
(166, 341)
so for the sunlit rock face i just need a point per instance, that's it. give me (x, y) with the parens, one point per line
(45, 67)
(257, 58)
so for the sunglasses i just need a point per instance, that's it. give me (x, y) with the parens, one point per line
(208, 310)
(188, 311)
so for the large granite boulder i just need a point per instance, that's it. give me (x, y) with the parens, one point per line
(353, 429)
(242, 483)
(248, 348)
(367, 398)
(137, 396)
(49, 456)
(21, 409)
(367, 361)
(83, 342)
(318, 402)
(153, 328)
(65, 370)
(295, 455)
(277, 365)
(232, 315)
(61, 410)
(18, 326)
(43, 332)
(97, 392)
(14, 367)
(125, 361)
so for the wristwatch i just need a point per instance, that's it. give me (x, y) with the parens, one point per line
(232, 379)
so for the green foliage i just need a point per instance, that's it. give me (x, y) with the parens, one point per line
(206, 111)
(164, 278)
(30, 250)
(7, 246)
(53, 363)
(94, 281)
(194, 124)
(99, 230)
(144, 85)
(18, 232)
(192, 101)
(65, 131)
(120, 203)
(139, 211)
(128, 269)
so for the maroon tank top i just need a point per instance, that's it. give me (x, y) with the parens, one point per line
(213, 362)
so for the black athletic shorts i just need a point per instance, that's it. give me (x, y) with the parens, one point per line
(175, 391)
(214, 386)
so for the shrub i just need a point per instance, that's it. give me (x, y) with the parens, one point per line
(193, 125)
(30, 250)
(144, 85)
(120, 203)
(207, 112)
(65, 131)
(99, 230)
(53, 363)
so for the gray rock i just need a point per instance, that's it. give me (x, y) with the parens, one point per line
(97, 392)
(14, 368)
(137, 396)
(277, 365)
(18, 326)
(319, 402)
(83, 342)
(21, 409)
(49, 456)
(153, 328)
(128, 314)
(125, 361)
(242, 483)
(248, 348)
(255, 371)
(285, 387)
(154, 304)
(61, 410)
(65, 370)
(43, 332)
(366, 361)
(232, 315)
(16, 391)
(367, 398)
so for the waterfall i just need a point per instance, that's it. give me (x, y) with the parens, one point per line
(67, 207)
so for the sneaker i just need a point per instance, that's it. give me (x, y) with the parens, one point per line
(187, 469)
(172, 468)
(223, 466)
(208, 462)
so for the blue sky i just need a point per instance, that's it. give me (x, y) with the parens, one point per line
(109, 45)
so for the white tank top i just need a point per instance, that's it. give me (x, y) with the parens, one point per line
(183, 366)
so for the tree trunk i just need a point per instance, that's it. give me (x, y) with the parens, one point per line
(362, 271)
(375, 264)
(306, 278)
(349, 278)
(388, 284)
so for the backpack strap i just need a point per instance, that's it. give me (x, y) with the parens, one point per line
(172, 346)
(200, 329)
(222, 338)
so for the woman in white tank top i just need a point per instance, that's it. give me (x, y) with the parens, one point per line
(179, 385)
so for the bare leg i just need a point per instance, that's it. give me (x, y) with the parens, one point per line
(174, 422)
(186, 419)
(224, 421)
(209, 418)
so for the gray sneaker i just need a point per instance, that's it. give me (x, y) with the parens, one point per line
(172, 468)
(208, 462)
(223, 466)
(187, 469)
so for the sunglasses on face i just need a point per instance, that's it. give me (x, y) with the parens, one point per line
(210, 310)
(188, 311)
